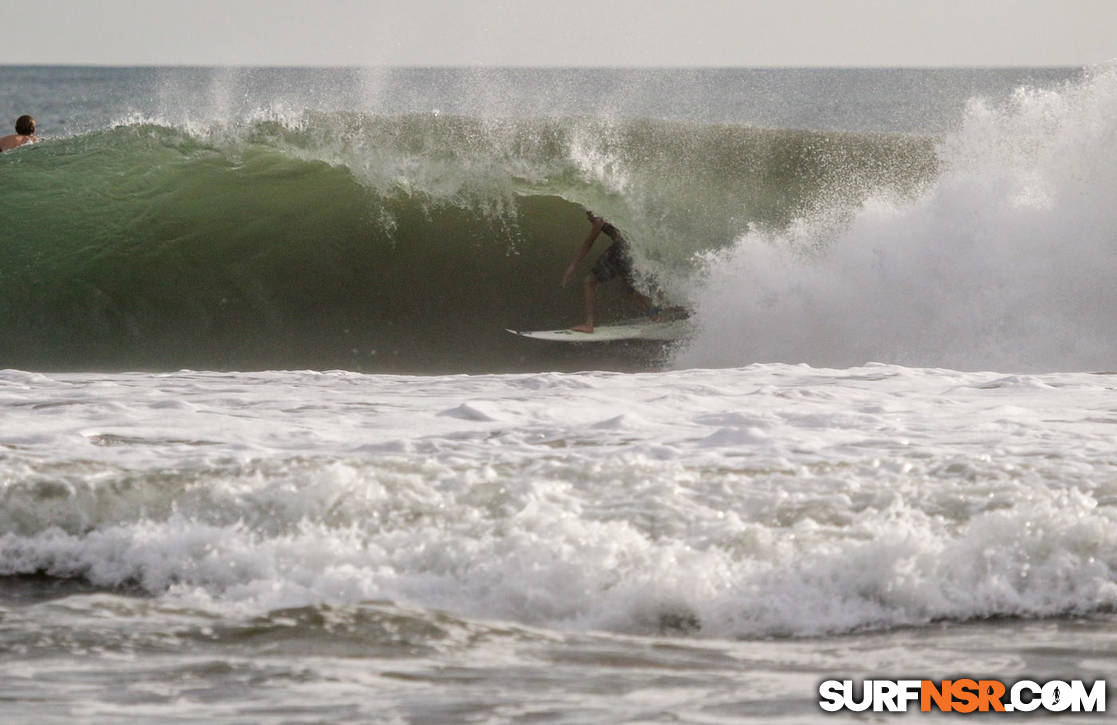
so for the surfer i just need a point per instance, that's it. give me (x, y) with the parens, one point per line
(614, 262)
(25, 133)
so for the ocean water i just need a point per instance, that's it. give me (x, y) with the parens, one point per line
(268, 455)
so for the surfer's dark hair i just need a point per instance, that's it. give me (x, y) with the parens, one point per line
(25, 126)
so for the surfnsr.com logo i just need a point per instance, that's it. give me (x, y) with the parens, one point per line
(962, 696)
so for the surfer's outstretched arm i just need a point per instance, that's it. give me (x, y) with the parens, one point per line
(583, 250)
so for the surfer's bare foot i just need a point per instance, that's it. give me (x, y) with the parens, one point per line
(583, 328)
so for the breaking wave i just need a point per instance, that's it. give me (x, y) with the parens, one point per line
(383, 243)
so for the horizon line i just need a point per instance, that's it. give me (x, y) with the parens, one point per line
(486, 66)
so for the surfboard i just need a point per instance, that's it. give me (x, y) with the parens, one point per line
(639, 329)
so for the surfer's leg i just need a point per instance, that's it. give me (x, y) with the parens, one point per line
(590, 287)
(641, 300)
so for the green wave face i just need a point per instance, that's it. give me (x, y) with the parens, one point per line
(382, 243)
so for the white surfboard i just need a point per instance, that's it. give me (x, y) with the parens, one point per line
(639, 329)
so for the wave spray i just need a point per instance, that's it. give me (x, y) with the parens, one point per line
(1005, 260)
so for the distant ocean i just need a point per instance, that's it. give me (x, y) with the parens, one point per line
(268, 454)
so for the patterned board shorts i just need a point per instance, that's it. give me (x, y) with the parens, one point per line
(614, 262)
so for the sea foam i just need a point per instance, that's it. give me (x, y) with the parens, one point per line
(1005, 261)
(769, 500)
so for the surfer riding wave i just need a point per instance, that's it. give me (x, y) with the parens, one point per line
(615, 262)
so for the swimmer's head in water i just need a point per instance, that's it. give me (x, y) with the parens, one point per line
(25, 126)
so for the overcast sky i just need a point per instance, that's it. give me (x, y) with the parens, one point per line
(562, 32)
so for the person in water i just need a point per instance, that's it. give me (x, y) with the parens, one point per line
(25, 133)
(614, 262)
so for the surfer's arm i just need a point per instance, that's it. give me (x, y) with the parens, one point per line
(583, 250)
